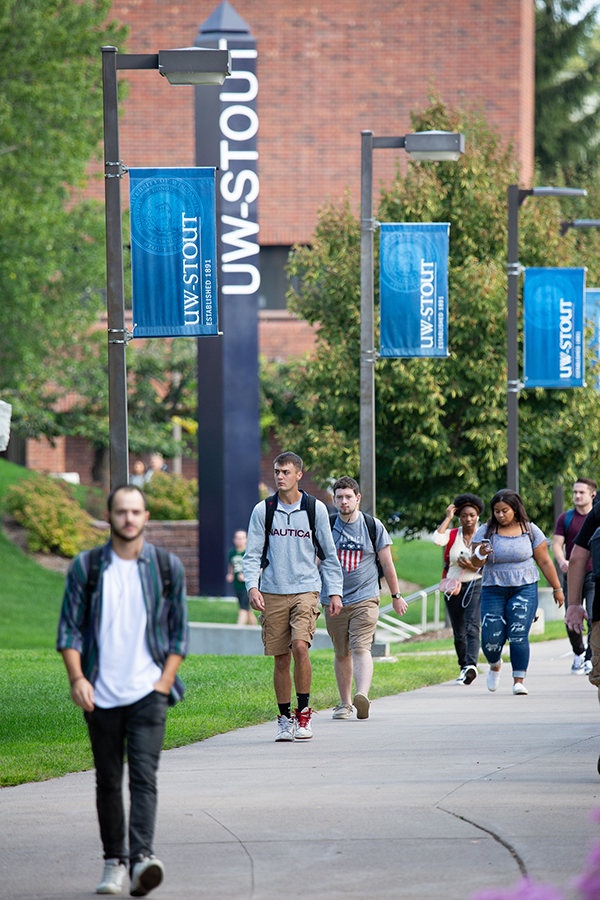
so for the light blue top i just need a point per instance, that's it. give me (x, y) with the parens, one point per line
(512, 563)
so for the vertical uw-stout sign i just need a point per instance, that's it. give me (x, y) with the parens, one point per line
(228, 394)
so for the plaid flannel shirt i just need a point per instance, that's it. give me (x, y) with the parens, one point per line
(167, 623)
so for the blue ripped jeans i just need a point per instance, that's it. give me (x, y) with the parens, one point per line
(507, 614)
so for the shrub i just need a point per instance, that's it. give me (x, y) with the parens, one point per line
(54, 521)
(172, 497)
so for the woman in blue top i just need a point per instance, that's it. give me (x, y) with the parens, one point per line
(508, 548)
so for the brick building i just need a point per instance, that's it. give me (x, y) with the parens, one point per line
(326, 70)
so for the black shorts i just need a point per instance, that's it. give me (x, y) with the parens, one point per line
(243, 599)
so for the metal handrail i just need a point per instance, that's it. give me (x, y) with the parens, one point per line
(403, 629)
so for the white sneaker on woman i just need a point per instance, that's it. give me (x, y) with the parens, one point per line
(493, 678)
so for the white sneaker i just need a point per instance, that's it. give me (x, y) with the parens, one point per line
(286, 728)
(493, 679)
(461, 677)
(362, 705)
(578, 664)
(145, 876)
(342, 711)
(113, 877)
(519, 688)
(304, 730)
(587, 666)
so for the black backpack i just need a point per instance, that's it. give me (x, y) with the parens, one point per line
(95, 559)
(308, 503)
(372, 529)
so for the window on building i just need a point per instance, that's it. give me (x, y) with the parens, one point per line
(274, 282)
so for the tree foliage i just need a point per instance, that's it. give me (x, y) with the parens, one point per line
(51, 244)
(162, 378)
(441, 424)
(567, 86)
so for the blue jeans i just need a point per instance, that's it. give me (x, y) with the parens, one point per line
(507, 614)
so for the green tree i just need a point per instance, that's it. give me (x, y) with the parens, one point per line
(567, 86)
(51, 243)
(441, 424)
(162, 379)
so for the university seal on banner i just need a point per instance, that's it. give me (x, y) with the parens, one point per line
(158, 205)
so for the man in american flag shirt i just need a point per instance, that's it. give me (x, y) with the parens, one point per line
(352, 629)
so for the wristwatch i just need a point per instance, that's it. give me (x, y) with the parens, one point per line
(396, 596)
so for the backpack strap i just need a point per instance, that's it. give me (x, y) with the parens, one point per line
(270, 507)
(94, 560)
(164, 565)
(372, 529)
(311, 504)
(569, 515)
(448, 547)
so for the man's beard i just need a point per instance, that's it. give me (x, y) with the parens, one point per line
(126, 537)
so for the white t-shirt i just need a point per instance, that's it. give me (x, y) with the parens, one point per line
(126, 671)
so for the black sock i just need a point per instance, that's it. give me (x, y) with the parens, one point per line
(302, 701)
(285, 709)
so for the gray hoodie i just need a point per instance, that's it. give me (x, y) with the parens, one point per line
(292, 560)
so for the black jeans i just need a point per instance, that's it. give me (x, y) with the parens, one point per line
(141, 727)
(464, 611)
(576, 639)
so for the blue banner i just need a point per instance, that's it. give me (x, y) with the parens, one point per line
(592, 318)
(553, 301)
(173, 252)
(413, 285)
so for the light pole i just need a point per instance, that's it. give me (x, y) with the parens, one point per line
(190, 65)
(517, 196)
(424, 145)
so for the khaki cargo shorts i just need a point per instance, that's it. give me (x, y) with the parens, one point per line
(287, 618)
(354, 627)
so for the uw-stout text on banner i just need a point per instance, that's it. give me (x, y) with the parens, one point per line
(173, 252)
(592, 319)
(413, 283)
(553, 301)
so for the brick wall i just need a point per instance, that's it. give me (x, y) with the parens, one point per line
(326, 71)
(281, 335)
(180, 538)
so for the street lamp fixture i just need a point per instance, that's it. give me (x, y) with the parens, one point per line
(193, 65)
(516, 197)
(190, 65)
(578, 223)
(423, 145)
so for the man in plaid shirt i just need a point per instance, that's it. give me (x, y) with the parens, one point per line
(123, 637)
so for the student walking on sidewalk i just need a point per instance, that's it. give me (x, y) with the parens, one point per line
(286, 533)
(123, 634)
(508, 548)
(360, 541)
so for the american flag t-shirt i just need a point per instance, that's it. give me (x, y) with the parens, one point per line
(350, 554)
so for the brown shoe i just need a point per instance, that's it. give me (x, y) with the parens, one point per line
(362, 704)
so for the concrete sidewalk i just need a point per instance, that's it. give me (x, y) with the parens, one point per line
(442, 792)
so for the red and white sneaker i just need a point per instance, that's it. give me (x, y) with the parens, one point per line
(303, 725)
